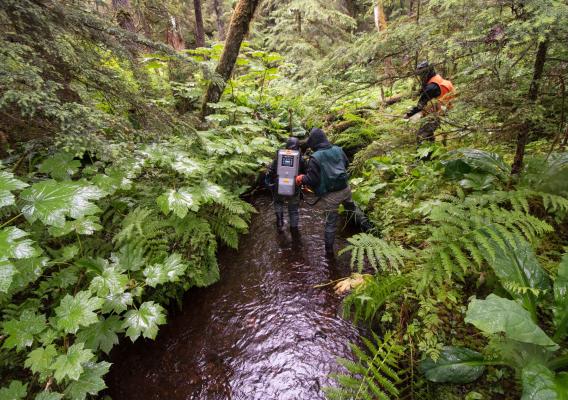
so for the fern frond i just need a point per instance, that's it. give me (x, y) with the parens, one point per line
(381, 255)
(374, 374)
(366, 300)
(516, 288)
(476, 229)
(555, 204)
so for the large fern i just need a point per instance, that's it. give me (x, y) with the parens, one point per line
(467, 232)
(366, 300)
(375, 374)
(381, 254)
(547, 175)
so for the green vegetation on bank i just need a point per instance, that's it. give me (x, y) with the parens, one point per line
(115, 193)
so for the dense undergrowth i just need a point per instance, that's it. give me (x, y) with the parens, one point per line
(115, 204)
(464, 278)
(115, 195)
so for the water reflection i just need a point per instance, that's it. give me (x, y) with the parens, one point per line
(262, 332)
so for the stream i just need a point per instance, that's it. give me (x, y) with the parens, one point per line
(262, 332)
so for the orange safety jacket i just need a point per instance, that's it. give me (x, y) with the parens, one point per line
(446, 96)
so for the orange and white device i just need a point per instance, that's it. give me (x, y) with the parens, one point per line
(288, 165)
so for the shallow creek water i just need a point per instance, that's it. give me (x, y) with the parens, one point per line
(262, 332)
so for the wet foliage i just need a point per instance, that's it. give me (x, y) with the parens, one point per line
(116, 193)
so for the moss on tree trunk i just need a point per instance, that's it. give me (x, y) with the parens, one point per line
(242, 16)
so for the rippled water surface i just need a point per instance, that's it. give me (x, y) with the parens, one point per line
(262, 332)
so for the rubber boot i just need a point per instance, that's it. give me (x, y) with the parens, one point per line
(329, 238)
(359, 218)
(280, 222)
(295, 233)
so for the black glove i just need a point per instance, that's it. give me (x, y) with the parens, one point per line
(413, 111)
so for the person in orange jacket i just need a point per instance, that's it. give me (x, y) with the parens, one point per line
(435, 98)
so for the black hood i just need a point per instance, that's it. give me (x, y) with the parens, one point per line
(293, 143)
(317, 140)
(425, 71)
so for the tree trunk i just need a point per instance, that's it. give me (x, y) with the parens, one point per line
(351, 8)
(418, 6)
(219, 19)
(199, 32)
(123, 15)
(528, 126)
(380, 18)
(173, 35)
(146, 28)
(240, 21)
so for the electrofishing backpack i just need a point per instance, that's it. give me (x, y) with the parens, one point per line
(287, 167)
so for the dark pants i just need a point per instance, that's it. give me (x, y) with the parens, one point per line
(331, 202)
(293, 208)
(428, 126)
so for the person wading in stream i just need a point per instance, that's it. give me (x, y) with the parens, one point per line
(293, 201)
(435, 98)
(327, 176)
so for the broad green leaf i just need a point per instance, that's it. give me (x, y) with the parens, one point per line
(12, 244)
(21, 332)
(561, 299)
(109, 282)
(168, 271)
(518, 354)
(455, 365)
(76, 311)
(186, 166)
(83, 226)
(69, 252)
(90, 382)
(129, 258)
(28, 271)
(498, 315)
(51, 201)
(540, 383)
(49, 396)
(61, 166)
(49, 336)
(117, 303)
(63, 279)
(16, 391)
(115, 180)
(7, 184)
(144, 321)
(518, 265)
(40, 361)
(211, 191)
(7, 273)
(561, 380)
(70, 365)
(217, 117)
(102, 335)
(179, 201)
(477, 160)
